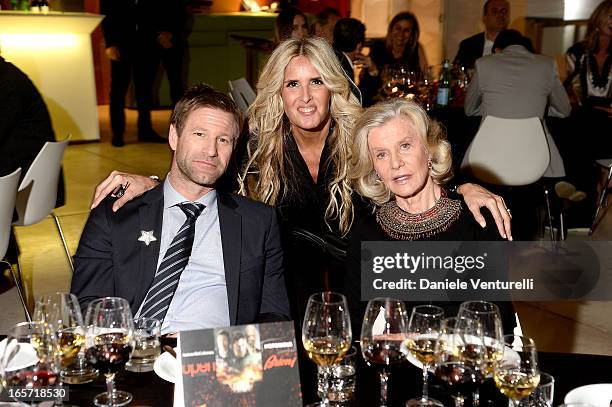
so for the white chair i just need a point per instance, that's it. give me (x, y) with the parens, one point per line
(509, 152)
(37, 192)
(8, 194)
(242, 93)
(601, 202)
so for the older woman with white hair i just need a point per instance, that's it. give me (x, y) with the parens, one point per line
(401, 162)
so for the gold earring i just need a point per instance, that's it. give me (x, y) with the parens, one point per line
(429, 164)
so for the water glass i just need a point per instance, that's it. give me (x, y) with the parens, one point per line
(543, 395)
(147, 346)
(341, 383)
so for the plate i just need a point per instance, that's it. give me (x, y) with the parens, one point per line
(25, 355)
(167, 367)
(599, 395)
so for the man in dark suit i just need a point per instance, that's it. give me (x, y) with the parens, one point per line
(496, 17)
(135, 32)
(349, 37)
(222, 266)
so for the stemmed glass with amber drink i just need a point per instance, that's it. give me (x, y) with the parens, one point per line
(424, 328)
(517, 374)
(62, 313)
(326, 333)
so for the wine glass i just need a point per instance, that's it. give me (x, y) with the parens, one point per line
(326, 332)
(459, 356)
(110, 342)
(384, 329)
(61, 311)
(490, 320)
(424, 327)
(30, 358)
(517, 374)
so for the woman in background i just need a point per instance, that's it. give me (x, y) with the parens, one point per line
(401, 46)
(291, 23)
(589, 62)
(589, 86)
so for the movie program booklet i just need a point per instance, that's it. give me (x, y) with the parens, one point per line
(245, 365)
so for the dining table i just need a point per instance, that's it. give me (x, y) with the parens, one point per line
(569, 370)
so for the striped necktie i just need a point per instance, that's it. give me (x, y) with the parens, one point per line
(175, 260)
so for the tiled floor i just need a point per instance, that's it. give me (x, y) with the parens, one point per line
(582, 327)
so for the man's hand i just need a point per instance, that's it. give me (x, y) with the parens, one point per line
(113, 53)
(165, 39)
(365, 62)
(476, 197)
(135, 185)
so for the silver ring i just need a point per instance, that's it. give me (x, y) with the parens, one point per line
(507, 209)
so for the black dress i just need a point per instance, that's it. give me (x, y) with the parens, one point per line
(462, 228)
(308, 267)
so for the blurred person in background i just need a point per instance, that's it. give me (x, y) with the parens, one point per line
(291, 23)
(514, 83)
(173, 48)
(401, 47)
(589, 85)
(25, 127)
(134, 34)
(324, 24)
(495, 17)
(589, 63)
(349, 38)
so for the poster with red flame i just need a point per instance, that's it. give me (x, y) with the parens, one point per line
(245, 365)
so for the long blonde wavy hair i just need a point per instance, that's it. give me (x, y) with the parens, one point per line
(362, 172)
(265, 176)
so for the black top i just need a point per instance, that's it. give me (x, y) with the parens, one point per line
(303, 201)
(587, 71)
(309, 267)
(465, 228)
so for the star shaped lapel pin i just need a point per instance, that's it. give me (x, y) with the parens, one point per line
(147, 237)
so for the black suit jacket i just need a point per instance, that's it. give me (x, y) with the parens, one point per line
(110, 261)
(470, 49)
(368, 85)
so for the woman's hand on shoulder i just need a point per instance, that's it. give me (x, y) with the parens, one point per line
(476, 197)
(132, 185)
